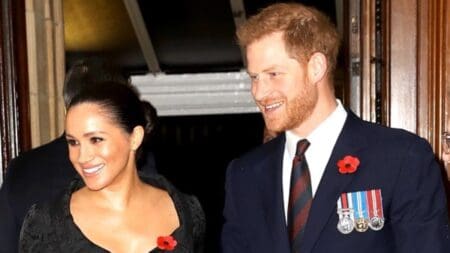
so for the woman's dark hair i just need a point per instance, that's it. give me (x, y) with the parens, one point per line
(121, 103)
(84, 72)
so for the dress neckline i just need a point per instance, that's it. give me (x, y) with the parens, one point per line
(153, 180)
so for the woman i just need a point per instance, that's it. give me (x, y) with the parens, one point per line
(113, 208)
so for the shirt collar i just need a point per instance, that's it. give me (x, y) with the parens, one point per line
(328, 130)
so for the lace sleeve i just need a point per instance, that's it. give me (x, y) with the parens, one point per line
(199, 222)
(31, 234)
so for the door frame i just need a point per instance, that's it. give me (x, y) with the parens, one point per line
(14, 105)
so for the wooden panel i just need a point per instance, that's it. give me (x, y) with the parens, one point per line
(446, 82)
(46, 67)
(403, 64)
(14, 126)
(367, 51)
(446, 70)
(433, 74)
(374, 61)
(441, 142)
(352, 46)
(423, 126)
(20, 63)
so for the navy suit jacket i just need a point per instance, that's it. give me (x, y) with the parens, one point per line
(399, 163)
(33, 177)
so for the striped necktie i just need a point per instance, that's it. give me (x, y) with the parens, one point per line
(300, 196)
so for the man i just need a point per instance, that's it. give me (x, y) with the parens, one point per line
(355, 186)
(42, 173)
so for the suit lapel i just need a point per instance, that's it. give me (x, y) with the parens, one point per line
(332, 183)
(272, 195)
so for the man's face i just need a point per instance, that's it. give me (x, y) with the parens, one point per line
(280, 84)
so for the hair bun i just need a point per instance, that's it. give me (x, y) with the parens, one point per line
(151, 116)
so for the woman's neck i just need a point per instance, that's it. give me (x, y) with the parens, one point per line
(121, 194)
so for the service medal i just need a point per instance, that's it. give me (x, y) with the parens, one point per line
(345, 224)
(376, 217)
(345, 212)
(361, 212)
(361, 225)
(376, 223)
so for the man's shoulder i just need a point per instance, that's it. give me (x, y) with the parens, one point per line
(40, 164)
(54, 150)
(378, 133)
(57, 145)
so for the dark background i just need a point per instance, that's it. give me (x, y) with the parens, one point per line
(193, 153)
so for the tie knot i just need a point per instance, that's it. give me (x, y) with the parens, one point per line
(302, 145)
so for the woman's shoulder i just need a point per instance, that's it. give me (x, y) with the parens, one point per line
(38, 217)
(46, 215)
(192, 218)
(197, 215)
(188, 206)
(49, 211)
(195, 208)
(40, 225)
(188, 201)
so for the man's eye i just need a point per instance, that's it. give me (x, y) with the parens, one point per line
(254, 77)
(274, 74)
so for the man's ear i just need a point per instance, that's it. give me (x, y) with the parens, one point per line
(137, 136)
(317, 67)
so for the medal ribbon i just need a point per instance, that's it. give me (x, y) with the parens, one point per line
(379, 203)
(356, 197)
(365, 212)
(372, 203)
(375, 203)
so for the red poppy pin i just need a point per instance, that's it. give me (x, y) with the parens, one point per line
(166, 242)
(348, 164)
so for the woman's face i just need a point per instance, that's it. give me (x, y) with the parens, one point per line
(99, 149)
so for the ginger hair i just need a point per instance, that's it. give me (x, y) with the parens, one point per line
(305, 31)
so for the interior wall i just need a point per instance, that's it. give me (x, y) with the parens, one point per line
(45, 45)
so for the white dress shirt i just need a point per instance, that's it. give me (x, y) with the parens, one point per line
(322, 141)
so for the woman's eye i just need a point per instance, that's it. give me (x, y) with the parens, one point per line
(96, 139)
(71, 142)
